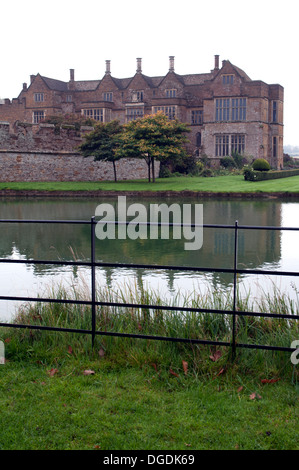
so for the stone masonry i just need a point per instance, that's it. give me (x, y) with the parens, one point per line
(39, 153)
(227, 111)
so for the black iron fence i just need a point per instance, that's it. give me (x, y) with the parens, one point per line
(93, 303)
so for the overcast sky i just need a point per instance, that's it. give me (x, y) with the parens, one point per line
(49, 38)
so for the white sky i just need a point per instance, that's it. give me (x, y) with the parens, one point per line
(50, 38)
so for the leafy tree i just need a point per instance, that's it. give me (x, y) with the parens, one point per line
(153, 137)
(103, 143)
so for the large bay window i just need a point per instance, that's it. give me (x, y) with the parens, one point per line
(98, 114)
(134, 112)
(169, 111)
(226, 144)
(230, 109)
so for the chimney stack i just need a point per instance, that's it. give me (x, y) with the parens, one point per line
(139, 68)
(216, 62)
(171, 63)
(72, 75)
(108, 71)
(24, 86)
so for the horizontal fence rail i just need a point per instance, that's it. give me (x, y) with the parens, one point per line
(93, 303)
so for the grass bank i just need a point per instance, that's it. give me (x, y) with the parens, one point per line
(135, 394)
(228, 184)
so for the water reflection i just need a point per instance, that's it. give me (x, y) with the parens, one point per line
(256, 249)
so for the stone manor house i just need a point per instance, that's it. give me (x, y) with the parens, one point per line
(226, 110)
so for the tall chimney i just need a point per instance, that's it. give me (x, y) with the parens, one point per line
(139, 68)
(108, 71)
(171, 63)
(216, 62)
(24, 86)
(72, 75)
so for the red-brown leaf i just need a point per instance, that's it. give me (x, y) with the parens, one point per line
(216, 356)
(173, 373)
(52, 372)
(70, 350)
(269, 381)
(185, 367)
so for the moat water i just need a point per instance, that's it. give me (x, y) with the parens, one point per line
(257, 249)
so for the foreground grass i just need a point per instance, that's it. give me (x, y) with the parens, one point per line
(225, 184)
(120, 407)
(56, 392)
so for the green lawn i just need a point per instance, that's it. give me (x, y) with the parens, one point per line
(56, 407)
(225, 184)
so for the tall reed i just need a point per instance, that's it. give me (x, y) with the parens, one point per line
(178, 323)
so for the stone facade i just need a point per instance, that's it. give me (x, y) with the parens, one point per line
(226, 110)
(39, 153)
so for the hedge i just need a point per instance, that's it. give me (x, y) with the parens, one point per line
(251, 175)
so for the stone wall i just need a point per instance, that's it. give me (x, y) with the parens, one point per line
(45, 153)
(65, 166)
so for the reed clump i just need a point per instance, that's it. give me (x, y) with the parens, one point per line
(140, 318)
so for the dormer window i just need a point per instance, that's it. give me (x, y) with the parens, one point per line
(38, 97)
(227, 79)
(137, 96)
(170, 93)
(108, 96)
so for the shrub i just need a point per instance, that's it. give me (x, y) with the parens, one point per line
(260, 164)
(228, 162)
(239, 159)
(251, 175)
(207, 173)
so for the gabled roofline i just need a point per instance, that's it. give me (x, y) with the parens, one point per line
(239, 71)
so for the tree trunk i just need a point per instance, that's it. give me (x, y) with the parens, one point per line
(114, 169)
(148, 161)
(153, 170)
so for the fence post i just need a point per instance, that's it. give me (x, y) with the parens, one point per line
(235, 292)
(93, 280)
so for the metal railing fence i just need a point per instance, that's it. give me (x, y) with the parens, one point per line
(93, 303)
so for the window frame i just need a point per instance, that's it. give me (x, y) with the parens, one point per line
(226, 144)
(108, 96)
(274, 146)
(39, 97)
(169, 111)
(237, 143)
(171, 93)
(197, 117)
(274, 111)
(38, 116)
(98, 114)
(231, 109)
(228, 79)
(134, 112)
